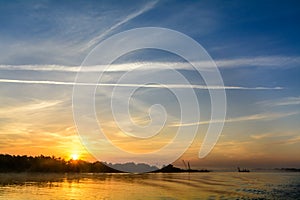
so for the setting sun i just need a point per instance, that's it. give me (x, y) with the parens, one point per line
(74, 156)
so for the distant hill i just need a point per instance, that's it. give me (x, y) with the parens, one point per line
(289, 169)
(171, 169)
(133, 167)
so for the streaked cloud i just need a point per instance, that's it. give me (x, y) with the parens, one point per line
(37, 105)
(174, 86)
(261, 136)
(261, 116)
(131, 16)
(275, 135)
(287, 101)
(290, 141)
(261, 61)
(267, 61)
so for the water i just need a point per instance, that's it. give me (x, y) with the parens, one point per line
(214, 185)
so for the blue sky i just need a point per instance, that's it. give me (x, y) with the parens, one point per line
(254, 43)
(227, 30)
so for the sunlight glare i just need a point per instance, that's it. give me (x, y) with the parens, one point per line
(74, 156)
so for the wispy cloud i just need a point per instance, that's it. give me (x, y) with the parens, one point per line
(290, 141)
(275, 135)
(262, 116)
(34, 106)
(261, 136)
(131, 16)
(95, 68)
(59, 68)
(261, 61)
(174, 86)
(287, 101)
(269, 61)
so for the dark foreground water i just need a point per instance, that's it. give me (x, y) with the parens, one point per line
(213, 185)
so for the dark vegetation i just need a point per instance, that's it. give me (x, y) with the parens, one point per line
(9, 163)
(45, 164)
(171, 169)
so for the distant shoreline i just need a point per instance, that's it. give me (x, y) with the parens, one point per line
(47, 164)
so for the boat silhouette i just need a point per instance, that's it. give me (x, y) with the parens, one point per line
(243, 170)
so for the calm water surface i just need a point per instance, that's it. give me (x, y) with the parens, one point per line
(214, 185)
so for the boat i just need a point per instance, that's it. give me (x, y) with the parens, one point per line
(243, 170)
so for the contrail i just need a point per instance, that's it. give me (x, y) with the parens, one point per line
(267, 61)
(170, 86)
(95, 40)
(255, 117)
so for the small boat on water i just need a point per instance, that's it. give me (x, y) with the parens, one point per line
(243, 170)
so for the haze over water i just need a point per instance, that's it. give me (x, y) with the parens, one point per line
(214, 185)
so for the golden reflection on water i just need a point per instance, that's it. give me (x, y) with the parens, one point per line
(215, 185)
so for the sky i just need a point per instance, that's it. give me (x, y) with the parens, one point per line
(255, 45)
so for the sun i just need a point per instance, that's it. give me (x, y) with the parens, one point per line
(74, 156)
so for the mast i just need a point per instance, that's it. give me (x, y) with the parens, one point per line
(184, 164)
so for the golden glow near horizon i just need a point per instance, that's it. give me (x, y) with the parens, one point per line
(37, 120)
(32, 130)
(74, 156)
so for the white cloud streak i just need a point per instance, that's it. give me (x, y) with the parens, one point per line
(261, 136)
(275, 134)
(96, 68)
(269, 61)
(262, 116)
(170, 86)
(36, 105)
(131, 16)
(290, 141)
(287, 101)
(262, 61)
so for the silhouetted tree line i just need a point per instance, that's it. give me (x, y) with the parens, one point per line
(171, 169)
(12, 163)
